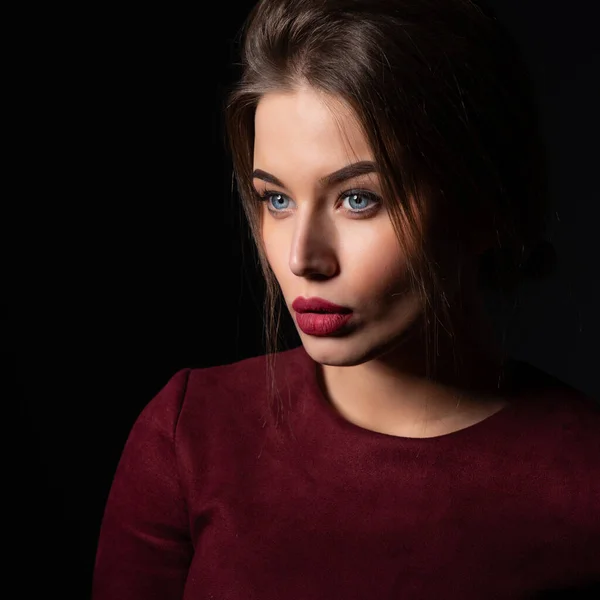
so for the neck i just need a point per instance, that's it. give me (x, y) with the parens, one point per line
(395, 387)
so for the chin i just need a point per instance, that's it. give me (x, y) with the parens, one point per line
(351, 350)
(333, 357)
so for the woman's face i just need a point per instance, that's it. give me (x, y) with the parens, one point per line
(332, 240)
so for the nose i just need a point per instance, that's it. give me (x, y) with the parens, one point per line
(312, 252)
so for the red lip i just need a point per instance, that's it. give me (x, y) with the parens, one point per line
(318, 305)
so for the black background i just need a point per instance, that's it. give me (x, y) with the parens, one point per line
(134, 261)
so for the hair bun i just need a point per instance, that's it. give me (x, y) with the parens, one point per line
(541, 261)
(503, 268)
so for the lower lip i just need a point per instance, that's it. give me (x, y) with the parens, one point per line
(321, 323)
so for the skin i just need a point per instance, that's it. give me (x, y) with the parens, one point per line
(374, 373)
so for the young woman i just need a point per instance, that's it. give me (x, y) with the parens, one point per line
(388, 159)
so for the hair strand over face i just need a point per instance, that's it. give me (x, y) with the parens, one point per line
(445, 101)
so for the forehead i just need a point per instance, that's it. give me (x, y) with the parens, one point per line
(304, 123)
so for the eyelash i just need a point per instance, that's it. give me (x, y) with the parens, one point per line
(267, 194)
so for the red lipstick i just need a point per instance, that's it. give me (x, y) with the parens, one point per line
(316, 316)
(318, 305)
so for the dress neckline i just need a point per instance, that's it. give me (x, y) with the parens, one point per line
(316, 407)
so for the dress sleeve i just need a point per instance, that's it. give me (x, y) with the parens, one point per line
(144, 547)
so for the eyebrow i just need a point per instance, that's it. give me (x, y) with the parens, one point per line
(362, 167)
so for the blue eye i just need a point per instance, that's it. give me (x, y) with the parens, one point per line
(277, 202)
(352, 197)
(278, 199)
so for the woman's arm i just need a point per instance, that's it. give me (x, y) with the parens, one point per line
(144, 548)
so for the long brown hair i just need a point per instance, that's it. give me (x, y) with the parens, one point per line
(447, 105)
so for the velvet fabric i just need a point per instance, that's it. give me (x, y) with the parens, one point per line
(211, 501)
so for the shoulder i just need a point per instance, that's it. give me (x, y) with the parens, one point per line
(555, 413)
(163, 410)
(247, 376)
(553, 391)
(188, 382)
(579, 416)
(567, 418)
(207, 393)
(235, 374)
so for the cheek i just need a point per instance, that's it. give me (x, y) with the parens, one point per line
(379, 282)
(376, 266)
(381, 288)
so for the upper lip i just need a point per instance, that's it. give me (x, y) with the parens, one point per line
(301, 305)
